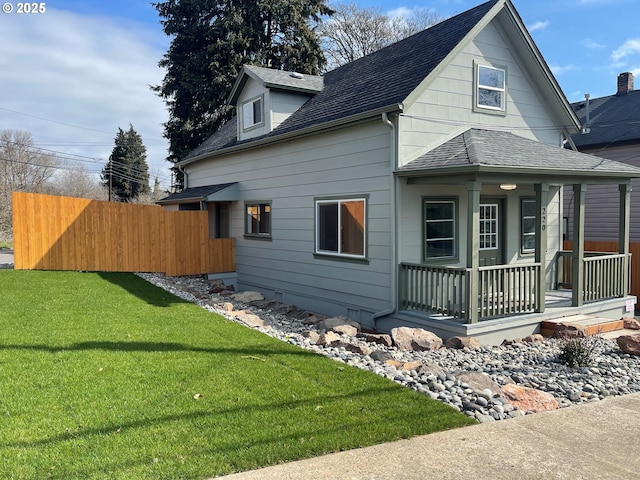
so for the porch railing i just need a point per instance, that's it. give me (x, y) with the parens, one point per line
(502, 289)
(606, 275)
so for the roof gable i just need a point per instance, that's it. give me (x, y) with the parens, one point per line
(271, 78)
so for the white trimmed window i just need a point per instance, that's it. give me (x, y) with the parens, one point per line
(440, 229)
(252, 113)
(258, 219)
(490, 88)
(341, 227)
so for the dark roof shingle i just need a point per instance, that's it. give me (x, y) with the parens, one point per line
(613, 119)
(490, 148)
(382, 79)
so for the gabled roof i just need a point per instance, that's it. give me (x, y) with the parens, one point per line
(202, 194)
(478, 150)
(378, 82)
(614, 119)
(271, 78)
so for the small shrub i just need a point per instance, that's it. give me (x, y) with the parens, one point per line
(578, 351)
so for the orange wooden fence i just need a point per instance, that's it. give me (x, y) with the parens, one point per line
(634, 250)
(63, 233)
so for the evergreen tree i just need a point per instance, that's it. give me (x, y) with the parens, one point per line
(211, 41)
(127, 170)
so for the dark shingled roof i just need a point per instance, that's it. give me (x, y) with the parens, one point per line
(382, 79)
(195, 193)
(490, 148)
(613, 119)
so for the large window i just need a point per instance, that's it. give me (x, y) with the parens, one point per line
(341, 227)
(490, 88)
(528, 214)
(440, 229)
(252, 113)
(258, 219)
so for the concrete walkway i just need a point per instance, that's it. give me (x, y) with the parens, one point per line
(595, 441)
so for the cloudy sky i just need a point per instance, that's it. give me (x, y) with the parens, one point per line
(75, 73)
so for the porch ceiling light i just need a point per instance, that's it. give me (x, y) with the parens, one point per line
(508, 186)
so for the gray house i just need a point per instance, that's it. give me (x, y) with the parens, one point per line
(420, 185)
(611, 129)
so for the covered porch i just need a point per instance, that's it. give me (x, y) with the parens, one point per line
(535, 277)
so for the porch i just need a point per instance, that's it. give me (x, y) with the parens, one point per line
(455, 293)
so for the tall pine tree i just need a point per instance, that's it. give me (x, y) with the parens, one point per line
(212, 40)
(127, 171)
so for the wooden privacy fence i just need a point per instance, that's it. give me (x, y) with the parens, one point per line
(63, 233)
(612, 247)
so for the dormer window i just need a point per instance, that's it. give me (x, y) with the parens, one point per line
(252, 113)
(490, 89)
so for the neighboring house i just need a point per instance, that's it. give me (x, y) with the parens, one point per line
(611, 129)
(420, 185)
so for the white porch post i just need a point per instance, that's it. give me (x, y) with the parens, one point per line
(623, 231)
(542, 196)
(577, 274)
(473, 249)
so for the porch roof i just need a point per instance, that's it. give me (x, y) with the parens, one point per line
(207, 193)
(477, 151)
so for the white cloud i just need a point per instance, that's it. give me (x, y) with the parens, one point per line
(85, 71)
(560, 69)
(400, 12)
(630, 47)
(591, 44)
(541, 25)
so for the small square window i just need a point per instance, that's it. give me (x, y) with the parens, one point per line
(258, 219)
(252, 113)
(490, 88)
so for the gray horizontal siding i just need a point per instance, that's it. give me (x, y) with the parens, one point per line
(291, 176)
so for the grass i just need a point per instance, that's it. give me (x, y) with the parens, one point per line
(6, 244)
(107, 376)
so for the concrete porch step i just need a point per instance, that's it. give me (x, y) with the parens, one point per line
(592, 324)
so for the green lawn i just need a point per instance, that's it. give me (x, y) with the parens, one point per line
(6, 244)
(107, 376)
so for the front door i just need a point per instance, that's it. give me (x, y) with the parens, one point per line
(491, 232)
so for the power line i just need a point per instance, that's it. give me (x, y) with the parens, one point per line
(53, 121)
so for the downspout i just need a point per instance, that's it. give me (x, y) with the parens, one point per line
(394, 234)
(185, 183)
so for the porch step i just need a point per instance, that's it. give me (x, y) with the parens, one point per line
(593, 325)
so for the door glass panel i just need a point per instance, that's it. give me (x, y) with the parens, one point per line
(488, 226)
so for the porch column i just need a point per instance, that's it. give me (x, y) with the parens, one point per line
(542, 200)
(577, 260)
(623, 231)
(473, 248)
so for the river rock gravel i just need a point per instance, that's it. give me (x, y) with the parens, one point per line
(468, 380)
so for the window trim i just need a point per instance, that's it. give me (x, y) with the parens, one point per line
(477, 107)
(247, 222)
(456, 235)
(252, 101)
(365, 237)
(523, 250)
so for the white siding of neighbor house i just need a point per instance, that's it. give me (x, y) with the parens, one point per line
(291, 175)
(446, 107)
(602, 202)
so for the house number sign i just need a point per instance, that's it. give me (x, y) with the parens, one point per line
(543, 218)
